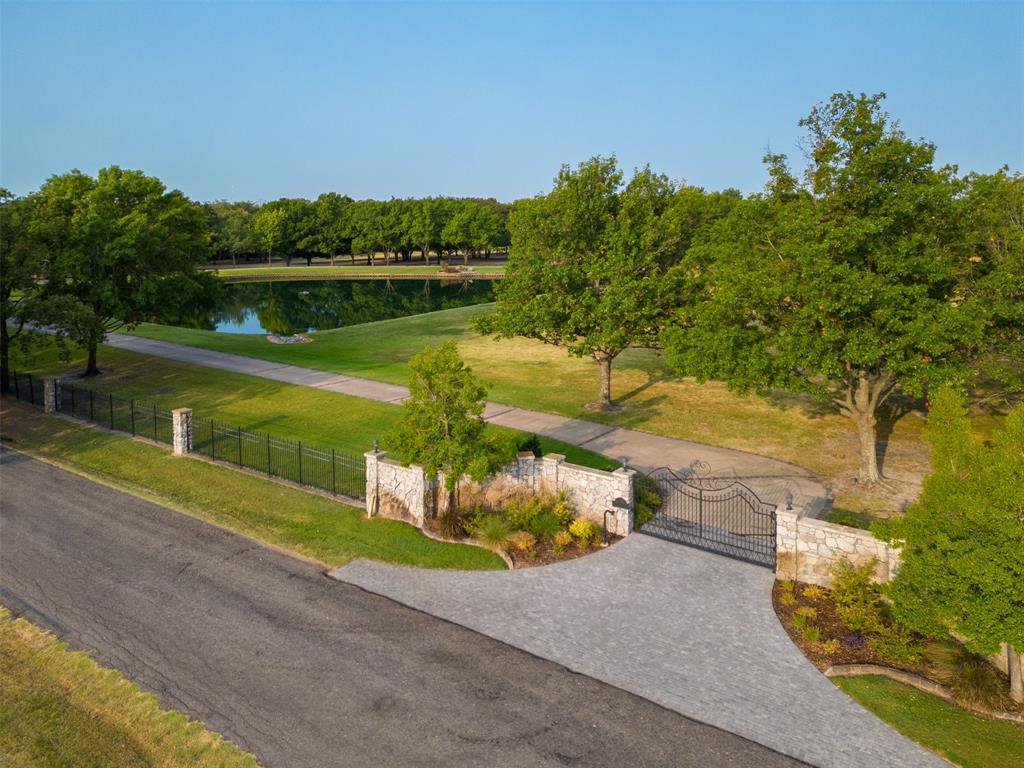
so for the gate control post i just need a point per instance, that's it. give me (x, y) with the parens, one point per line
(181, 427)
(51, 394)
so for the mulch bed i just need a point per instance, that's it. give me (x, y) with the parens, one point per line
(544, 553)
(853, 647)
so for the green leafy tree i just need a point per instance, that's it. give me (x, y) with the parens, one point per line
(588, 263)
(231, 229)
(843, 283)
(269, 226)
(962, 541)
(326, 228)
(472, 228)
(442, 426)
(120, 246)
(22, 265)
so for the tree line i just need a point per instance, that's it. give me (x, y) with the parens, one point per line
(335, 226)
(872, 271)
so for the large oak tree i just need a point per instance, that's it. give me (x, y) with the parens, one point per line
(845, 282)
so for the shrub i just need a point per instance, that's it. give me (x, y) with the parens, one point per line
(451, 522)
(562, 539)
(812, 634)
(521, 513)
(971, 678)
(530, 443)
(493, 531)
(830, 647)
(563, 510)
(583, 530)
(813, 592)
(647, 500)
(787, 598)
(787, 586)
(799, 619)
(523, 541)
(807, 611)
(896, 643)
(545, 525)
(857, 598)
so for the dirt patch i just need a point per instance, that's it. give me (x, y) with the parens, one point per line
(543, 553)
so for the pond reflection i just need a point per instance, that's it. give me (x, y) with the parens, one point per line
(287, 308)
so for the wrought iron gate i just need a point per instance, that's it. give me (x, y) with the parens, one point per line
(717, 514)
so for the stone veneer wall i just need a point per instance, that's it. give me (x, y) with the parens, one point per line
(807, 548)
(405, 493)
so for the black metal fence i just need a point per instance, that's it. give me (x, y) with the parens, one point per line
(326, 469)
(28, 388)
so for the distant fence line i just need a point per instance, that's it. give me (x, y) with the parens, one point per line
(334, 471)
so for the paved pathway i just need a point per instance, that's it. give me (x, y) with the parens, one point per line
(768, 477)
(301, 670)
(692, 631)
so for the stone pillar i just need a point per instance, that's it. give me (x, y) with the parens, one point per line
(786, 535)
(51, 394)
(181, 428)
(372, 481)
(526, 466)
(626, 490)
(549, 466)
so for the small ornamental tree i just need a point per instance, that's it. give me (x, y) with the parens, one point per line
(962, 541)
(442, 426)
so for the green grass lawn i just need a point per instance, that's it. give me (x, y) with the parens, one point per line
(962, 738)
(311, 525)
(533, 375)
(341, 269)
(59, 708)
(316, 417)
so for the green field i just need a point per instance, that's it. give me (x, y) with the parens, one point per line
(306, 523)
(533, 375)
(316, 417)
(59, 708)
(962, 738)
(341, 270)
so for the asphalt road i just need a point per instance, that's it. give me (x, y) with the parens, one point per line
(299, 669)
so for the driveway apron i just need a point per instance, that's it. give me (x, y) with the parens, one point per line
(692, 631)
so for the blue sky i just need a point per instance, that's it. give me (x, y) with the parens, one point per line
(257, 101)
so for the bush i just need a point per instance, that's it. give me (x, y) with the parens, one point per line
(807, 612)
(813, 592)
(812, 634)
(451, 522)
(583, 530)
(830, 647)
(799, 620)
(971, 678)
(493, 531)
(562, 539)
(647, 500)
(523, 541)
(787, 598)
(896, 643)
(563, 510)
(530, 443)
(858, 599)
(545, 525)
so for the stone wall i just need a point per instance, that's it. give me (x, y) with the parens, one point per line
(405, 493)
(807, 548)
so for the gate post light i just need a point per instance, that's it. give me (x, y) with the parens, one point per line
(788, 496)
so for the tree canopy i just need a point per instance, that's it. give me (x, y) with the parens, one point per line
(845, 282)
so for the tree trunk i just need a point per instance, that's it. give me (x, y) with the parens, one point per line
(865, 392)
(604, 399)
(426, 255)
(465, 257)
(234, 259)
(91, 368)
(1015, 664)
(270, 258)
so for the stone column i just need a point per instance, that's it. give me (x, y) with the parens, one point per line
(181, 427)
(549, 465)
(786, 535)
(526, 466)
(373, 481)
(51, 394)
(626, 479)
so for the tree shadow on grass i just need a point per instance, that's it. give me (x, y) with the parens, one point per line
(889, 414)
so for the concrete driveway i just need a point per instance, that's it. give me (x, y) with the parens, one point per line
(690, 630)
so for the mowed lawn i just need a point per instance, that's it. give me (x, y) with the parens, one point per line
(962, 738)
(530, 374)
(59, 708)
(306, 523)
(318, 418)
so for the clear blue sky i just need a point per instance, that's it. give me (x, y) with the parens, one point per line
(258, 101)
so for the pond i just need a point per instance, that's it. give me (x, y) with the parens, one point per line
(288, 308)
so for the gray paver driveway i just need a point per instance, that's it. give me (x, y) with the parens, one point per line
(692, 631)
